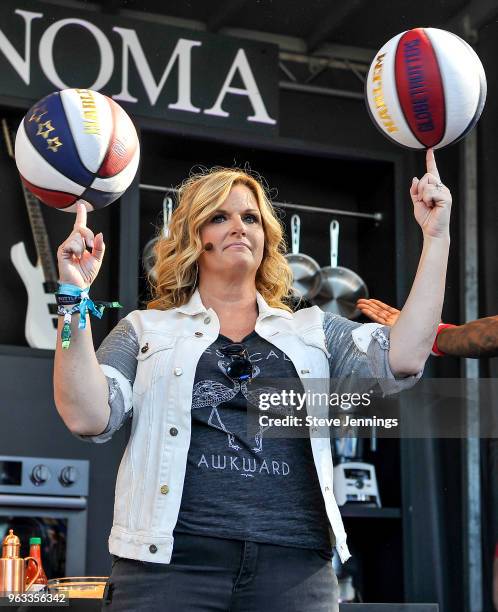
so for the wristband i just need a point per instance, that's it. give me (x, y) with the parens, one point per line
(436, 351)
(496, 551)
(81, 303)
(66, 300)
(68, 294)
(84, 305)
(67, 313)
(69, 289)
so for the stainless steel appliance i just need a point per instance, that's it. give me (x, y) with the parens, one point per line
(47, 498)
(354, 480)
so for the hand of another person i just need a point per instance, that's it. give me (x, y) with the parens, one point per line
(431, 201)
(78, 266)
(378, 311)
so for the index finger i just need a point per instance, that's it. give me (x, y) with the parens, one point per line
(80, 215)
(430, 161)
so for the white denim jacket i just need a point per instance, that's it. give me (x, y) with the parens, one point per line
(169, 345)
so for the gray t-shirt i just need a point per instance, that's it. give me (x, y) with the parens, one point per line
(250, 488)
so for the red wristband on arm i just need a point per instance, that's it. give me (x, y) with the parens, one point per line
(435, 350)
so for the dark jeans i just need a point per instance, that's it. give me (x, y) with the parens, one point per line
(219, 575)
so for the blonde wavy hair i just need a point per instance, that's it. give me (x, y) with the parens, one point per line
(177, 254)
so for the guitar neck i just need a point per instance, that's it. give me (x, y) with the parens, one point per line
(36, 221)
(40, 236)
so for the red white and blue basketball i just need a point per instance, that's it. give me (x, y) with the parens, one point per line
(426, 88)
(77, 145)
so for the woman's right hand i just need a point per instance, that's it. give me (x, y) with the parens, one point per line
(78, 266)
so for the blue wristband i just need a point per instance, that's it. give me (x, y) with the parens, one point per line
(85, 305)
(68, 289)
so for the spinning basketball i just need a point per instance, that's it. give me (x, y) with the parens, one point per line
(77, 145)
(426, 88)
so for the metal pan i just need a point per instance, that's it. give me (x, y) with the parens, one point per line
(341, 287)
(148, 254)
(306, 272)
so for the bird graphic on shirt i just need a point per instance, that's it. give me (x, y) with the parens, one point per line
(212, 393)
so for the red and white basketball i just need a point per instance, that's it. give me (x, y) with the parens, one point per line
(426, 88)
(77, 145)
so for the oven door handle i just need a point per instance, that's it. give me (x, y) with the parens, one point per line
(43, 501)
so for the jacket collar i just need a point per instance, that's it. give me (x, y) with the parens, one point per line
(195, 306)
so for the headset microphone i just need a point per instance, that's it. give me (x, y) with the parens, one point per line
(208, 246)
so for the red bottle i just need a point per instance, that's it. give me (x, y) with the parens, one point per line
(41, 583)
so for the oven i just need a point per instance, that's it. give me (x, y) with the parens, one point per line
(47, 498)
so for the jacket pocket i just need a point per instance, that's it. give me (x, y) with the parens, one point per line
(154, 353)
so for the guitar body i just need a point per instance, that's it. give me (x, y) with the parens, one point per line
(40, 329)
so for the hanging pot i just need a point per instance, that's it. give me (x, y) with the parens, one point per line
(148, 254)
(341, 287)
(306, 272)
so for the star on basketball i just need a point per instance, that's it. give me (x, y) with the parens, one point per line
(45, 128)
(36, 117)
(54, 143)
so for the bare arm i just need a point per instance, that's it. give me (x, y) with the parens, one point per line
(414, 331)
(474, 339)
(413, 334)
(80, 387)
(81, 392)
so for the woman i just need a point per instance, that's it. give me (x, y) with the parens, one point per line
(207, 517)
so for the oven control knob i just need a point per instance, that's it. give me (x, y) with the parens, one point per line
(68, 475)
(40, 474)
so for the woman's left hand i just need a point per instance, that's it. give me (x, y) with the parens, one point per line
(431, 201)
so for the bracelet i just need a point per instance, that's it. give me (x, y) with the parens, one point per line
(69, 289)
(62, 311)
(66, 328)
(436, 351)
(81, 303)
(68, 294)
(66, 300)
